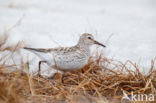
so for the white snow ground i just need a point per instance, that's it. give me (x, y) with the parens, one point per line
(52, 23)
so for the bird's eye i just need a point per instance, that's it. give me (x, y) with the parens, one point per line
(89, 37)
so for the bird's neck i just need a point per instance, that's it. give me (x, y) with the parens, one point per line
(84, 48)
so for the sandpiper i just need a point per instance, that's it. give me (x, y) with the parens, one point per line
(67, 58)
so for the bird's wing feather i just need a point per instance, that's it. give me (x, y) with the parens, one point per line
(38, 49)
(43, 54)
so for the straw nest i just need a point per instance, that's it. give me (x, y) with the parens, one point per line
(102, 80)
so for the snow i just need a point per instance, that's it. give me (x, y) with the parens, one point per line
(52, 23)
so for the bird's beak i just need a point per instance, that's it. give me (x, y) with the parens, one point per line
(96, 42)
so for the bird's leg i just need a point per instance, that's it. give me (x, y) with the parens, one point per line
(62, 78)
(39, 67)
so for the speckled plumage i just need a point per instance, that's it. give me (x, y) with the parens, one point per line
(67, 58)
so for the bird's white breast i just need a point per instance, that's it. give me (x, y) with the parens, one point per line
(70, 61)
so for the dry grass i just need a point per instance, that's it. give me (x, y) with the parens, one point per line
(101, 81)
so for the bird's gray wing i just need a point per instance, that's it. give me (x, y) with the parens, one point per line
(43, 54)
(38, 49)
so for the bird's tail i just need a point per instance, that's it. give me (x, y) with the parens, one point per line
(36, 49)
(42, 53)
(30, 49)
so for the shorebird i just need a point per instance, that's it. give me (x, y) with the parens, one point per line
(67, 58)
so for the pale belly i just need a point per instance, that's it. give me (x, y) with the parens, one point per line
(66, 66)
(64, 62)
(69, 62)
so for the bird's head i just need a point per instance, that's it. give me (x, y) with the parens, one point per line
(88, 40)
